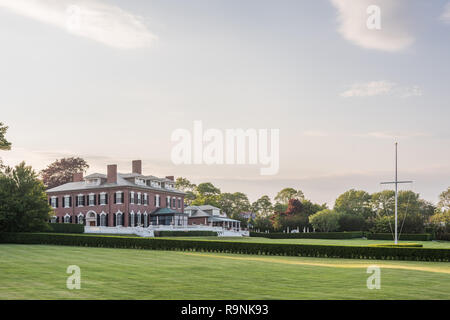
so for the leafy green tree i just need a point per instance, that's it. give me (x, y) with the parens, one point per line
(325, 220)
(279, 207)
(444, 200)
(409, 202)
(262, 223)
(383, 202)
(354, 202)
(262, 206)
(287, 194)
(206, 193)
(294, 217)
(309, 208)
(61, 171)
(207, 189)
(23, 201)
(233, 204)
(411, 223)
(351, 222)
(441, 221)
(186, 186)
(4, 144)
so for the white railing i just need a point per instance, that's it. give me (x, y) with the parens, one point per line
(149, 231)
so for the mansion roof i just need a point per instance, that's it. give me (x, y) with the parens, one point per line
(122, 181)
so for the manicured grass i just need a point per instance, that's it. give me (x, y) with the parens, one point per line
(343, 242)
(39, 272)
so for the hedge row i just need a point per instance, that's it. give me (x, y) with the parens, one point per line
(311, 235)
(66, 228)
(185, 234)
(398, 245)
(349, 252)
(443, 236)
(409, 237)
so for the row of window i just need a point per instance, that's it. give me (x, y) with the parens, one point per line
(137, 219)
(102, 199)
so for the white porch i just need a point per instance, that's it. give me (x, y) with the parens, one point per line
(149, 231)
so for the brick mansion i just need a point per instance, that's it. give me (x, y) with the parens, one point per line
(117, 199)
(115, 202)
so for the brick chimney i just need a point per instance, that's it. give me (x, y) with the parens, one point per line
(170, 178)
(112, 173)
(137, 166)
(77, 177)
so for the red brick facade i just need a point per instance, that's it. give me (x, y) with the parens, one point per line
(112, 205)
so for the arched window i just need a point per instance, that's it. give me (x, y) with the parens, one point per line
(66, 219)
(132, 219)
(145, 220)
(139, 220)
(103, 219)
(119, 219)
(81, 219)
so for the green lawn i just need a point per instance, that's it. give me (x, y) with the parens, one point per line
(345, 242)
(39, 272)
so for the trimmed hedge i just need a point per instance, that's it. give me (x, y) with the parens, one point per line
(311, 235)
(327, 251)
(410, 236)
(66, 228)
(185, 234)
(443, 236)
(398, 245)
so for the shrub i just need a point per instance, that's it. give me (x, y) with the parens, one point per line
(443, 236)
(411, 223)
(389, 236)
(398, 245)
(185, 234)
(311, 235)
(347, 252)
(351, 222)
(66, 228)
(325, 220)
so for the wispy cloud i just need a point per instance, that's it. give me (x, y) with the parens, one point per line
(445, 17)
(393, 135)
(393, 35)
(382, 87)
(101, 22)
(315, 133)
(372, 134)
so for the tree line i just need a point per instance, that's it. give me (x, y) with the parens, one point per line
(24, 206)
(354, 210)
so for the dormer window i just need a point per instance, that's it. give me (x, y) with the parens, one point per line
(156, 184)
(140, 181)
(95, 181)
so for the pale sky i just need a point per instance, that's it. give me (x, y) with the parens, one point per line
(113, 86)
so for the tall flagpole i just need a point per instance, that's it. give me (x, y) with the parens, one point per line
(396, 194)
(396, 182)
